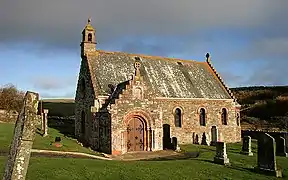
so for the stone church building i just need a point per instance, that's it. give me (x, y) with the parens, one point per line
(130, 102)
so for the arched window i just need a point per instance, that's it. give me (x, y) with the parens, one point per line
(224, 116)
(202, 117)
(89, 37)
(83, 122)
(177, 117)
(238, 119)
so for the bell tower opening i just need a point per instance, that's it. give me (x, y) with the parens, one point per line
(88, 43)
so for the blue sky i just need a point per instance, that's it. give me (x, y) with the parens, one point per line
(39, 40)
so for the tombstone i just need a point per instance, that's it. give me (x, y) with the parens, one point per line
(57, 139)
(196, 139)
(204, 139)
(246, 146)
(193, 138)
(174, 143)
(221, 155)
(214, 135)
(281, 147)
(24, 134)
(57, 142)
(42, 121)
(45, 120)
(266, 159)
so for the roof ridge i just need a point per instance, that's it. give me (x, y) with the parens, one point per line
(146, 56)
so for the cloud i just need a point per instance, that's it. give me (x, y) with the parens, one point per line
(59, 23)
(69, 95)
(253, 33)
(52, 83)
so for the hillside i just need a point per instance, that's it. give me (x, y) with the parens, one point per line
(264, 106)
(261, 106)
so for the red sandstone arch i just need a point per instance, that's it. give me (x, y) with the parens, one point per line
(143, 117)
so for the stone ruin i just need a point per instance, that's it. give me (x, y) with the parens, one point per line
(24, 134)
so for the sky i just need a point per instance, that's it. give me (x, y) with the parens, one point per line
(40, 39)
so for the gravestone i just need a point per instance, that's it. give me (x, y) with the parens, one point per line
(246, 146)
(57, 142)
(174, 143)
(281, 147)
(266, 160)
(221, 155)
(214, 135)
(45, 122)
(24, 134)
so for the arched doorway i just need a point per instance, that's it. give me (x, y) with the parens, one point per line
(136, 134)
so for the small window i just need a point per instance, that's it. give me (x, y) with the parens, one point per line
(224, 116)
(238, 119)
(83, 122)
(202, 117)
(178, 118)
(89, 37)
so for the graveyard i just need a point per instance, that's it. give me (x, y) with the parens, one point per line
(201, 167)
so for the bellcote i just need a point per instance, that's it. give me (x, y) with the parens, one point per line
(88, 43)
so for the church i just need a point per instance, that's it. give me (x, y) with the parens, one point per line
(130, 102)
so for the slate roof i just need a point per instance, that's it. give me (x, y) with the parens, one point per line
(166, 77)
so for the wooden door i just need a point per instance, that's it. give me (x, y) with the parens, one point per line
(135, 135)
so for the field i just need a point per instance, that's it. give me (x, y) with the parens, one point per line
(201, 167)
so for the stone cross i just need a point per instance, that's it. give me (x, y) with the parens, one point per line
(221, 155)
(281, 147)
(246, 146)
(45, 122)
(24, 134)
(266, 160)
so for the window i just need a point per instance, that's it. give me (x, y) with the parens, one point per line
(238, 119)
(177, 117)
(89, 37)
(83, 122)
(224, 116)
(202, 117)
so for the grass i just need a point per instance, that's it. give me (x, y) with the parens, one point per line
(69, 144)
(41, 168)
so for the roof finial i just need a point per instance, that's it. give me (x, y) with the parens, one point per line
(208, 58)
(137, 66)
(89, 20)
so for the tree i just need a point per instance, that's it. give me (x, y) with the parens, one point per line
(11, 99)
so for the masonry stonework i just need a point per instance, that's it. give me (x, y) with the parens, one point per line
(116, 102)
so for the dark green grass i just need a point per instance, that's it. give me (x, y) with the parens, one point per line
(197, 168)
(69, 144)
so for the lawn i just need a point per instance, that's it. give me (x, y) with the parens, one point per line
(197, 168)
(69, 144)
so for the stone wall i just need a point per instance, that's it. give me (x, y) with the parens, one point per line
(101, 132)
(160, 111)
(84, 99)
